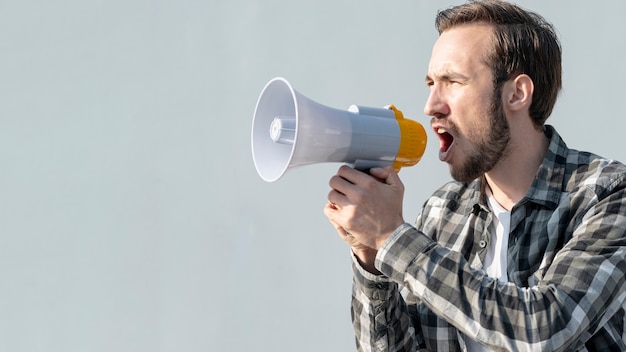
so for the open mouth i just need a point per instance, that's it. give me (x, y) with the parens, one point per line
(446, 141)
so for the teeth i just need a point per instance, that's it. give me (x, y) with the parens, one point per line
(441, 130)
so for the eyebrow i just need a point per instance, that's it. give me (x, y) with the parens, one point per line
(446, 76)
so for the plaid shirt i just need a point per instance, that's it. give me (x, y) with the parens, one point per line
(566, 265)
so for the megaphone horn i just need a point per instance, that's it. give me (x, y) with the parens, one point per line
(289, 130)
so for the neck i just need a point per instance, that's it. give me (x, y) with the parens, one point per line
(511, 178)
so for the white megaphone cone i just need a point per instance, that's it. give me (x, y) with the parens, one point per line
(289, 130)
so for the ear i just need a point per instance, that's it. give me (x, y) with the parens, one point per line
(519, 92)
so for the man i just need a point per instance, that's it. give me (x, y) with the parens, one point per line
(525, 250)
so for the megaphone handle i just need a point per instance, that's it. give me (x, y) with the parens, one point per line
(366, 165)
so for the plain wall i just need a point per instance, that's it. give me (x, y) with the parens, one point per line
(131, 215)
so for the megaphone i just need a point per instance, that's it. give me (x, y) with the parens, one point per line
(290, 130)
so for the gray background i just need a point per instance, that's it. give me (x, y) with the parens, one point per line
(131, 216)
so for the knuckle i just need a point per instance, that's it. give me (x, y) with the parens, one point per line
(370, 184)
(358, 197)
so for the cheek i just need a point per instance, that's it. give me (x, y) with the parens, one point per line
(471, 111)
(478, 110)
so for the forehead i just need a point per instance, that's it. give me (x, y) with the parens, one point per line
(462, 49)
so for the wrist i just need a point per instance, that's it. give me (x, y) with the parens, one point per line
(366, 257)
(380, 241)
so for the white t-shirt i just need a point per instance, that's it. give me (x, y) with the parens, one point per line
(496, 257)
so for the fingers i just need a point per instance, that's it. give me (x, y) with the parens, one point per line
(330, 210)
(369, 206)
(350, 186)
(351, 175)
(344, 185)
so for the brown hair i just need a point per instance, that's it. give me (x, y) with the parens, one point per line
(524, 43)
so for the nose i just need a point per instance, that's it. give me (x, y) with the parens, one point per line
(435, 104)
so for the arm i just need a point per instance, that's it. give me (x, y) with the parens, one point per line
(579, 291)
(379, 314)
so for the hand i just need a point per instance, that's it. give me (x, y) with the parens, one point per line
(365, 255)
(365, 209)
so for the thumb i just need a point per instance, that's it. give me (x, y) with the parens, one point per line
(386, 175)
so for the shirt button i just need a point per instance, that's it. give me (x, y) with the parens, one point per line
(482, 244)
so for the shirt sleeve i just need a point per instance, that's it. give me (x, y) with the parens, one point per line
(379, 314)
(578, 293)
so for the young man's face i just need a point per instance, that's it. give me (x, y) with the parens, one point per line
(466, 113)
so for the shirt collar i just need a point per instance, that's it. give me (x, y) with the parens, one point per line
(547, 187)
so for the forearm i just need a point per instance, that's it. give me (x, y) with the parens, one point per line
(379, 314)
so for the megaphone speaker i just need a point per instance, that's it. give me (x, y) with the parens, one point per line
(290, 130)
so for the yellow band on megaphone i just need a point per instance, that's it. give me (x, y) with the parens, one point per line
(412, 141)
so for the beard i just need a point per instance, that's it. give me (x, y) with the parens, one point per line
(489, 147)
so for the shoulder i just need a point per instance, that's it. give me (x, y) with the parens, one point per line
(453, 199)
(593, 172)
(456, 192)
(571, 171)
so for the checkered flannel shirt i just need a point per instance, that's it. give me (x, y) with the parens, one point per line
(566, 265)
